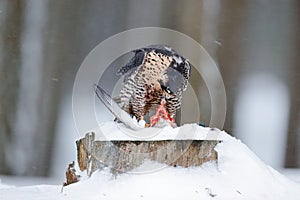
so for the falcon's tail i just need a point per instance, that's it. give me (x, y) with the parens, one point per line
(115, 109)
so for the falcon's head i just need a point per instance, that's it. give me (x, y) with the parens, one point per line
(176, 77)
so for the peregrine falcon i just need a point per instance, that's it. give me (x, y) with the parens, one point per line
(155, 76)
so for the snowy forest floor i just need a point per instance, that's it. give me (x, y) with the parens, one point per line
(239, 174)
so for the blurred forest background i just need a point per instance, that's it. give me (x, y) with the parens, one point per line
(255, 44)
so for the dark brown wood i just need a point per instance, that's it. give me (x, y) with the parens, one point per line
(124, 156)
(71, 176)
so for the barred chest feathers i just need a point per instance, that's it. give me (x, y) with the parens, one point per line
(154, 73)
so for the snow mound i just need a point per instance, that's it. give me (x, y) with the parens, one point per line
(111, 131)
(239, 174)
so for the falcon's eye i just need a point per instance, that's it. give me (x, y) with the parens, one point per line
(167, 89)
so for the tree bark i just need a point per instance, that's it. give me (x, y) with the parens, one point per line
(124, 156)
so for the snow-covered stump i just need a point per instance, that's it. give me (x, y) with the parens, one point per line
(126, 155)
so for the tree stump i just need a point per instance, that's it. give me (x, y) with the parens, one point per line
(126, 155)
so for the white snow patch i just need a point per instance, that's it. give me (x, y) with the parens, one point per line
(4, 186)
(111, 131)
(142, 123)
(239, 174)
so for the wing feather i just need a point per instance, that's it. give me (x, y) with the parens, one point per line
(136, 61)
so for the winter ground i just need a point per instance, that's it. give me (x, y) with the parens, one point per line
(239, 174)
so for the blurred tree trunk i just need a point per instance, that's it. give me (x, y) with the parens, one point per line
(190, 13)
(293, 77)
(231, 51)
(61, 58)
(85, 24)
(210, 20)
(27, 150)
(11, 20)
(292, 159)
(40, 79)
(260, 47)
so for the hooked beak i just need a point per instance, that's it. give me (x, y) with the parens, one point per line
(167, 95)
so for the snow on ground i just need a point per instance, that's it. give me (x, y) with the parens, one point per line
(291, 173)
(239, 174)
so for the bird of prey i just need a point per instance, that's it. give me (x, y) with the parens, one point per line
(155, 77)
